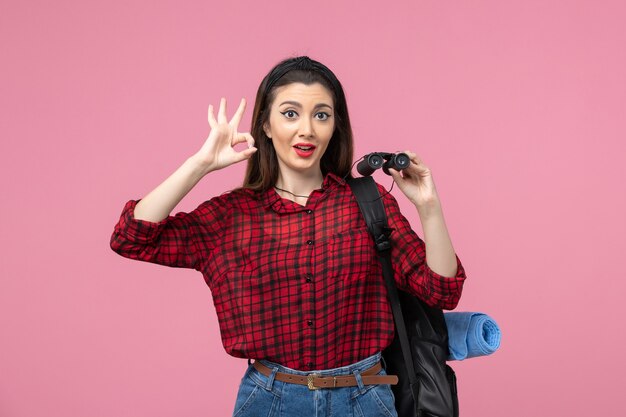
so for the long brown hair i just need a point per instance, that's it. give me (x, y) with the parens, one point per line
(262, 170)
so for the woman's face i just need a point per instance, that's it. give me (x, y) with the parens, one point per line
(301, 123)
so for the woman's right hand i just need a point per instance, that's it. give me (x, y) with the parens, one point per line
(218, 151)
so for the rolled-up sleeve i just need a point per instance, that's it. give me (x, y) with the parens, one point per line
(412, 273)
(174, 241)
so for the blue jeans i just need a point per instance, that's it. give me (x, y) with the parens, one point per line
(263, 396)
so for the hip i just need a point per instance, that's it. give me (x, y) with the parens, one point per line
(263, 395)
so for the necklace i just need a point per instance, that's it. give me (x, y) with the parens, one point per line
(289, 192)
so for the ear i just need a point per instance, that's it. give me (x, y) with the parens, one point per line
(266, 129)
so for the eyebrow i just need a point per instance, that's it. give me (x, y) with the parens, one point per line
(296, 104)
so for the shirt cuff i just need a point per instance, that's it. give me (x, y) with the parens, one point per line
(135, 230)
(444, 292)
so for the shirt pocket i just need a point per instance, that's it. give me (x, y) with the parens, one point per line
(350, 255)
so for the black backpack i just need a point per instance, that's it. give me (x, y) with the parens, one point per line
(427, 385)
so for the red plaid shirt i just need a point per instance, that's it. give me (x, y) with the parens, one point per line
(297, 285)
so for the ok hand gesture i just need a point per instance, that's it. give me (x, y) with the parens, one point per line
(218, 150)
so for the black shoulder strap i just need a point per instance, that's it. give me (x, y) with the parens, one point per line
(373, 209)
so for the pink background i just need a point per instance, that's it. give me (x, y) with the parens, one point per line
(518, 108)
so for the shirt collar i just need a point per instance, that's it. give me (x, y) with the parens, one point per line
(270, 198)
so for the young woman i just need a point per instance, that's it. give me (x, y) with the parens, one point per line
(296, 283)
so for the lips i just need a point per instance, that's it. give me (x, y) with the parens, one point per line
(304, 149)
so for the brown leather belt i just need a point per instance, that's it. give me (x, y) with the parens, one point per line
(315, 381)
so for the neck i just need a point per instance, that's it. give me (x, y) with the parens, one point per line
(301, 185)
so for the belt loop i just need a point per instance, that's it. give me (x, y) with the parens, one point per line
(359, 380)
(249, 362)
(270, 379)
(382, 361)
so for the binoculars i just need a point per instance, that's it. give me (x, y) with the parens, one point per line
(385, 160)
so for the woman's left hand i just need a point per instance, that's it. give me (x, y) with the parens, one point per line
(416, 182)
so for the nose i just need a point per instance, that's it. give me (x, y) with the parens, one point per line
(305, 129)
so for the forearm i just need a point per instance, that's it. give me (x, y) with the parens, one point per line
(440, 255)
(159, 203)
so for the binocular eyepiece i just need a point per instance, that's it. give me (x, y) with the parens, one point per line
(385, 160)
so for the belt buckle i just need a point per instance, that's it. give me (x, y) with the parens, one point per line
(309, 380)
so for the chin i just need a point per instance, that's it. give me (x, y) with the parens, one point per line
(304, 167)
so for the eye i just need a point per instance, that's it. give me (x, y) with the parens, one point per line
(322, 116)
(289, 114)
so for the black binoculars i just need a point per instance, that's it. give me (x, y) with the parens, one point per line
(385, 160)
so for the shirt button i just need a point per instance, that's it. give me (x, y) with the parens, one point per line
(310, 365)
(309, 211)
(309, 277)
(309, 322)
(309, 242)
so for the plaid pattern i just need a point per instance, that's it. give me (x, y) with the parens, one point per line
(296, 285)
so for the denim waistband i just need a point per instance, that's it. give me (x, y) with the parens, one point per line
(359, 366)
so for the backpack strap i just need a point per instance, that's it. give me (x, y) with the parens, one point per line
(373, 209)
